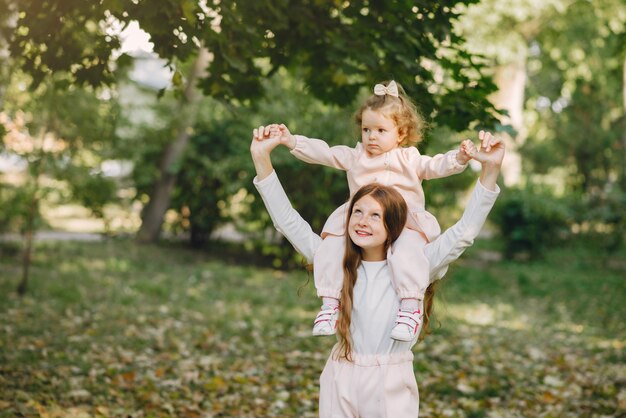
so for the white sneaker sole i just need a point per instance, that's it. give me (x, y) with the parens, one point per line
(401, 335)
(322, 333)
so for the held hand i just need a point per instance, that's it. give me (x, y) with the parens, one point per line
(277, 131)
(282, 132)
(263, 132)
(491, 150)
(490, 156)
(467, 149)
(262, 142)
(487, 139)
(261, 149)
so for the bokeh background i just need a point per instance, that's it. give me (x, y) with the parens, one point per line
(140, 275)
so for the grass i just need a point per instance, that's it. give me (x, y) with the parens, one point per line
(112, 329)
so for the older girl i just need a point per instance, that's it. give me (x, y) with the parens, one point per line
(368, 374)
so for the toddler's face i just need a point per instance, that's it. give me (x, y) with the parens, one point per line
(379, 134)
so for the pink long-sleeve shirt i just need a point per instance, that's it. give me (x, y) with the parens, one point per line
(403, 168)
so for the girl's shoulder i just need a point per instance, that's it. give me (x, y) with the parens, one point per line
(409, 152)
(358, 150)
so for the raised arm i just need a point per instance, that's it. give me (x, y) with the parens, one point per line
(285, 218)
(310, 150)
(261, 149)
(316, 151)
(490, 156)
(437, 166)
(452, 243)
(443, 165)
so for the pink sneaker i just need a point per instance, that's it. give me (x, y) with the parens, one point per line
(326, 321)
(407, 325)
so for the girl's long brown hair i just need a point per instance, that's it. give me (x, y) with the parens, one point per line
(394, 218)
(429, 305)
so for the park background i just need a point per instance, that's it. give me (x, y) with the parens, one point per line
(140, 275)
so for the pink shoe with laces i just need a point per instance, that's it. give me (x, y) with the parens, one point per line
(407, 325)
(326, 321)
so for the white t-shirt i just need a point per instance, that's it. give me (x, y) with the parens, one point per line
(375, 304)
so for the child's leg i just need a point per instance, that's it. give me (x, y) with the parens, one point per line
(328, 277)
(410, 276)
(327, 266)
(409, 265)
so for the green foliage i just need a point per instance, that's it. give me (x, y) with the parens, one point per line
(336, 49)
(576, 96)
(62, 134)
(531, 221)
(341, 46)
(215, 168)
(361, 43)
(59, 36)
(601, 218)
(92, 190)
(14, 202)
(577, 93)
(214, 184)
(573, 54)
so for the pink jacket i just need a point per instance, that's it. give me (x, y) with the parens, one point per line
(403, 168)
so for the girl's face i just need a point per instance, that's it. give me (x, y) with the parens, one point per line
(379, 134)
(366, 228)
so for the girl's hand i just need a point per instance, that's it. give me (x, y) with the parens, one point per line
(276, 131)
(467, 149)
(262, 132)
(261, 148)
(262, 142)
(491, 150)
(487, 140)
(490, 156)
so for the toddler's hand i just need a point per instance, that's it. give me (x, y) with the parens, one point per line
(277, 131)
(467, 150)
(282, 133)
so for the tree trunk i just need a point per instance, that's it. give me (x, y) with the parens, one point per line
(29, 234)
(28, 245)
(511, 82)
(623, 176)
(152, 217)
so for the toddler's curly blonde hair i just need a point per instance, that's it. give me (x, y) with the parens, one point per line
(401, 110)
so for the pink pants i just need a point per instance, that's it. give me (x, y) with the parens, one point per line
(407, 262)
(373, 386)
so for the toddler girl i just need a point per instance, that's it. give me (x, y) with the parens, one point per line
(390, 127)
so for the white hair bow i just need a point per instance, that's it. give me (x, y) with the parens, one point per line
(391, 89)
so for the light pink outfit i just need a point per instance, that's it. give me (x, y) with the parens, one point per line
(373, 386)
(380, 383)
(403, 168)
